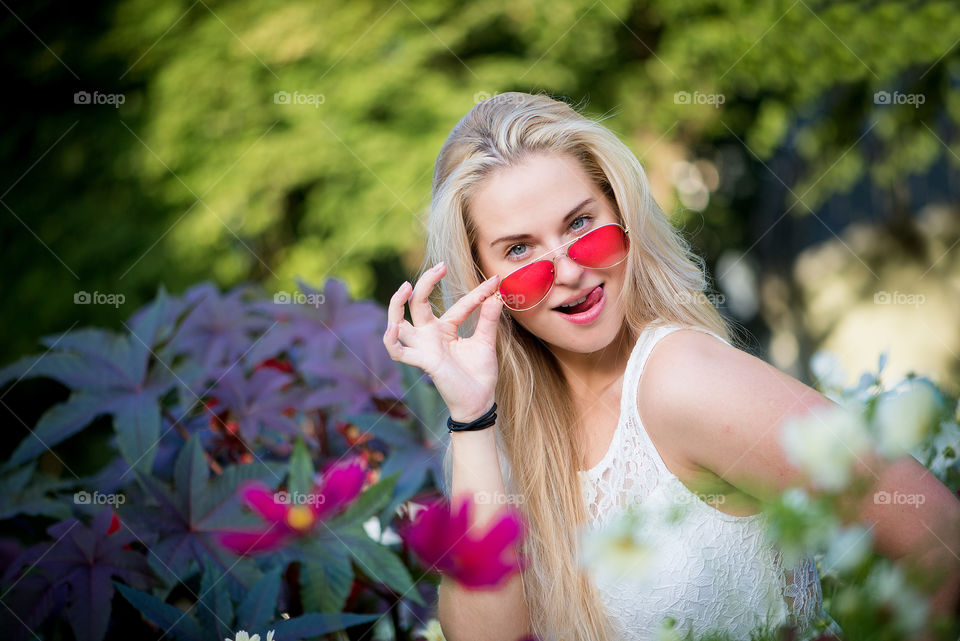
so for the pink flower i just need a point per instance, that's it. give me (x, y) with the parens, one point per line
(475, 560)
(289, 517)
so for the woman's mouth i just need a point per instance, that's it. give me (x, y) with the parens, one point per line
(587, 310)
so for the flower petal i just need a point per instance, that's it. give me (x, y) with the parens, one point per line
(242, 543)
(341, 484)
(261, 499)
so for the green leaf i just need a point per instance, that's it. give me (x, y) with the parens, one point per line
(311, 625)
(301, 470)
(174, 621)
(191, 472)
(378, 562)
(327, 577)
(373, 499)
(256, 609)
(393, 432)
(214, 607)
(137, 423)
(57, 424)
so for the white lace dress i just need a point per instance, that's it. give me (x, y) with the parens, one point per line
(708, 570)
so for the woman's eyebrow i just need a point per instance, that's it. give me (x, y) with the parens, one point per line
(515, 237)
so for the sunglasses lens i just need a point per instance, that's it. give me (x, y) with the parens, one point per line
(527, 286)
(603, 247)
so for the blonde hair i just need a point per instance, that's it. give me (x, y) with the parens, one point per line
(664, 282)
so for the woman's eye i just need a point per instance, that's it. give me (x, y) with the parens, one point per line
(582, 217)
(513, 254)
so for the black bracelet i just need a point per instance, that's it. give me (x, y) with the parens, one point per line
(486, 420)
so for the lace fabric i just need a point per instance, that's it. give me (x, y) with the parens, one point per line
(709, 571)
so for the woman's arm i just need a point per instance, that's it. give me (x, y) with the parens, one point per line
(480, 614)
(464, 371)
(722, 409)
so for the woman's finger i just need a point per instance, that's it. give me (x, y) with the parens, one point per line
(394, 340)
(406, 333)
(392, 343)
(420, 311)
(395, 307)
(489, 320)
(459, 311)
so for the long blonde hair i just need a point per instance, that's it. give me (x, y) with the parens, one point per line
(536, 422)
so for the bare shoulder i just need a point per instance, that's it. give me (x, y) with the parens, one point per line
(717, 407)
(677, 381)
(680, 359)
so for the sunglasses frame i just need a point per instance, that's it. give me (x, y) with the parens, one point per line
(566, 252)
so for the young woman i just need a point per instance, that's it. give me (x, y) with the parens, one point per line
(615, 383)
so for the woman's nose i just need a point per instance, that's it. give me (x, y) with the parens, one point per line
(568, 272)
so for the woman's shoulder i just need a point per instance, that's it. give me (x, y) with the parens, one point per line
(712, 402)
(680, 341)
(681, 359)
(681, 375)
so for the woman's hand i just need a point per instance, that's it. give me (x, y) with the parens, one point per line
(463, 369)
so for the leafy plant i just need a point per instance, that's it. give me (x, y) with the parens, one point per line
(208, 394)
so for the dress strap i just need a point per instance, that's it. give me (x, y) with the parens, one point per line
(648, 338)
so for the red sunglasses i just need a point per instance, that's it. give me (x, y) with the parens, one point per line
(599, 248)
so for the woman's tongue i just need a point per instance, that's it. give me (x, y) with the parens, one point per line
(592, 299)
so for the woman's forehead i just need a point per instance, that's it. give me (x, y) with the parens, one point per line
(524, 198)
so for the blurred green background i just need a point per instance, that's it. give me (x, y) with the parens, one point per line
(808, 149)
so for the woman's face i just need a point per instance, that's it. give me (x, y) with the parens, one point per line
(524, 211)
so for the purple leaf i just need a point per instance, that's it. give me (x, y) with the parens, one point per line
(186, 519)
(83, 560)
(218, 330)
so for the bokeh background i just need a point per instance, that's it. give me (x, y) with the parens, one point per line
(168, 151)
(807, 149)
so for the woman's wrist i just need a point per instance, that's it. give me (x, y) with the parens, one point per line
(467, 415)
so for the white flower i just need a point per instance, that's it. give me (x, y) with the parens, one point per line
(825, 442)
(904, 417)
(616, 551)
(827, 369)
(431, 631)
(804, 526)
(243, 636)
(848, 547)
(887, 584)
(946, 446)
(667, 631)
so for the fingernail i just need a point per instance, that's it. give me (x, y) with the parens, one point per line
(405, 283)
(438, 265)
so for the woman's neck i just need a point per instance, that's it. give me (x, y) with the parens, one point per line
(588, 375)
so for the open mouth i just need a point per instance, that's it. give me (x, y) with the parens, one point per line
(591, 299)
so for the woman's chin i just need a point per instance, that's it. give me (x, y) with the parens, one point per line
(560, 332)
